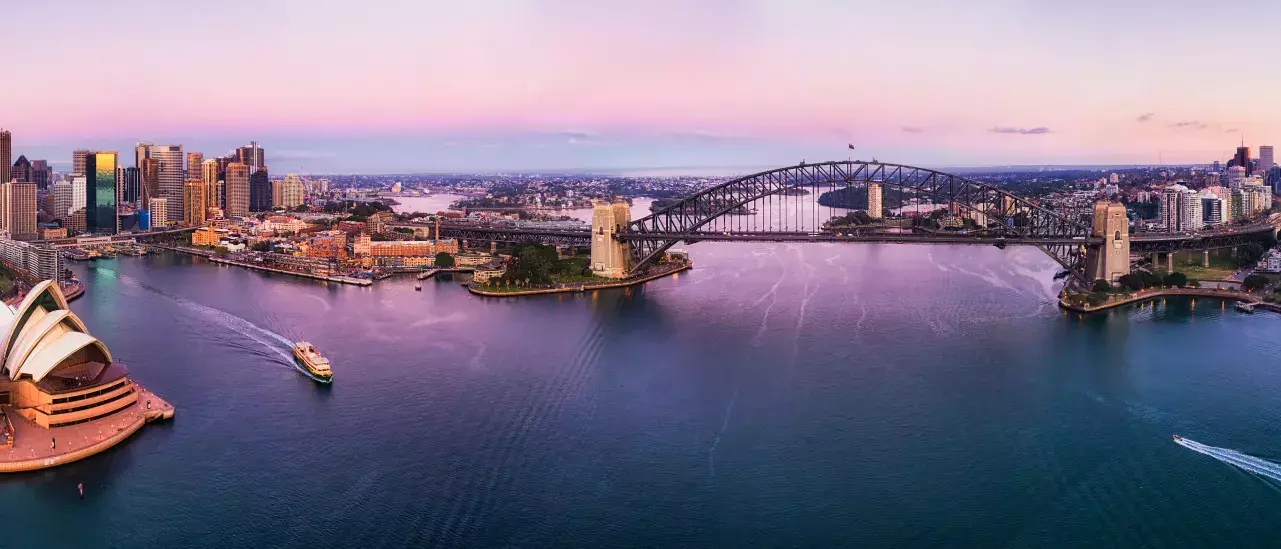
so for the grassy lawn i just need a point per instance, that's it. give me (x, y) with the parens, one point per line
(1190, 263)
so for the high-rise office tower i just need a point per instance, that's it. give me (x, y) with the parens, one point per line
(120, 187)
(41, 174)
(141, 151)
(6, 154)
(133, 187)
(252, 155)
(100, 193)
(277, 186)
(291, 191)
(150, 182)
(79, 191)
(61, 199)
(19, 201)
(193, 199)
(874, 207)
(78, 160)
(259, 191)
(1265, 158)
(21, 171)
(159, 212)
(209, 175)
(194, 160)
(237, 190)
(1242, 158)
(171, 178)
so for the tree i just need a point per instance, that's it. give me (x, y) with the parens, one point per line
(1132, 281)
(1254, 282)
(1249, 254)
(444, 260)
(1176, 279)
(1102, 286)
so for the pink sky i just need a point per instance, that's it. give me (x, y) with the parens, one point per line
(924, 81)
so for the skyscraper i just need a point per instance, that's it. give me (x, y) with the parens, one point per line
(237, 190)
(194, 160)
(41, 174)
(259, 191)
(159, 212)
(6, 154)
(1242, 158)
(133, 187)
(78, 159)
(141, 151)
(209, 175)
(19, 203)
(61, 199)
(171, 178)
(193, 203)
(100, 193)
(150, 187)
(79, 191)
(1265, 158)
(21, 171)
(251, 155)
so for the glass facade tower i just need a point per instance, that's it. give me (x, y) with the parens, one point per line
(100, 193)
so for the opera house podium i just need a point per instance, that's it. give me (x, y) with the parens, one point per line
(62, 396)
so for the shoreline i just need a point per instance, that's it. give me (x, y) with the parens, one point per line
(43, 460)
(1248, 301)
(582, 287)
(220, 261)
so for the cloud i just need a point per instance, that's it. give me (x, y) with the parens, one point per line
(912, 129)
(1020, 131)
(704, 135)
(1233, 130)
(1145, 116)
(577, 135)
(1194, 124)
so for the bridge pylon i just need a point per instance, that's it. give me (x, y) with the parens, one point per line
(1111, 259)
(611, 258)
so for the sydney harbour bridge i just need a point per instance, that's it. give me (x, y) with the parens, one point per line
(1089, 241)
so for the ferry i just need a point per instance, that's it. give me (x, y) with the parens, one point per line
(311, 359)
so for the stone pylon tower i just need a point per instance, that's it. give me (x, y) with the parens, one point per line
(610, 258)
(1111, 259)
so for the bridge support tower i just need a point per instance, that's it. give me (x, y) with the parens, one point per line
(610, 257)
(1110, 260)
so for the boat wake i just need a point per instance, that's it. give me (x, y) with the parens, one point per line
(1261, 467)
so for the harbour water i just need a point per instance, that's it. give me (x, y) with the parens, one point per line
(804, 395)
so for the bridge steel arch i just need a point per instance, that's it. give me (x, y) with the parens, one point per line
(1000, 207)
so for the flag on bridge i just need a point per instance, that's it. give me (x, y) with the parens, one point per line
(851, 146)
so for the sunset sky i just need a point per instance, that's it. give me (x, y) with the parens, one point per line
(484, 85)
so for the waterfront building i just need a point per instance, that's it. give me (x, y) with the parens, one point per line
(42, 262)
(18, 210)
(159, 209)
(259, 191)
(79, 158)
(20, 172)
(61, 199)
(237, 189)
(100, 193)
(325, 245)
(292, 192)
(875, 208)
(193, 203)
(6, 154)
(61, 384)
(208, 236)
(170, 179)
(49, 233)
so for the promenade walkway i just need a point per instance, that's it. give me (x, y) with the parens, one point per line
(1116, 300)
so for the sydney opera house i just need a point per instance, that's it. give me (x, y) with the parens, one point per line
(62, 396)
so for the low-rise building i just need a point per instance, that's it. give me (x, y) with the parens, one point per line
(50, 233)
(208, 236)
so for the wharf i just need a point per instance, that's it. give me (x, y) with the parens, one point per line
(214, 258)
(30, 447)
(425, 275)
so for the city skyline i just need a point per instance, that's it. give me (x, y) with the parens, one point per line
(492, 86)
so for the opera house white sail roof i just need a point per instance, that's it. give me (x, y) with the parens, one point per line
(42, 336)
